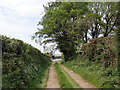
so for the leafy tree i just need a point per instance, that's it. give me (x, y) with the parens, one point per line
(69, 24)
(58, 25)
(110, 18)
(105, 19)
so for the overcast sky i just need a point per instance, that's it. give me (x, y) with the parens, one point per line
(19, 18)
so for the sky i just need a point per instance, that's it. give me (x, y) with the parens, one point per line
(19, 19)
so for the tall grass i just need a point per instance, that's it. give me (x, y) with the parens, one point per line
(95, 72)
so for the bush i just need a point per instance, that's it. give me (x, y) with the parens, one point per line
(98, 62)
(103, 49)
(23, 65)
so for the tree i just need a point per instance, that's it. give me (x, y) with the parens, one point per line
(105, 19)
(68, 24)
(57, 25)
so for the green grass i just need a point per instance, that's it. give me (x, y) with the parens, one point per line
(95, 73)
(65, 80)
(45, 78)
(42, 81)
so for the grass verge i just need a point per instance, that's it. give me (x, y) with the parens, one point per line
(43, 81)
(95, 73)
(65, 80)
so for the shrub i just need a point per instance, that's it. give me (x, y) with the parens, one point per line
(23, 65)
(101, 49)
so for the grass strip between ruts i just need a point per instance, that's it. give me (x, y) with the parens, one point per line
(65, 80)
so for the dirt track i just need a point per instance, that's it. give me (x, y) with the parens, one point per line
(52, 80)
(83, 83)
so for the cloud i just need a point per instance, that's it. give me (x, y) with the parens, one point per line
(19, 31)
(25, 7)
(19, 18)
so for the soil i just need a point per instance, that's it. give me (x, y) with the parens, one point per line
(76, 77)
(52, 80)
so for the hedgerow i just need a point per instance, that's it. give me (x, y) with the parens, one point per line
(103, 49)
(23, 65)
(98, 62)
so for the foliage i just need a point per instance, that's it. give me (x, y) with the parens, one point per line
(103, 49)
(95, 72)
(104, 18)
(23, 65)
(71, 23)
(98, 62)
(58, 25)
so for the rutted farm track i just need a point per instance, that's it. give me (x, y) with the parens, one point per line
(75, 80)
(52, 80)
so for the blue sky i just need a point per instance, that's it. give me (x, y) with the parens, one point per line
(19, 18)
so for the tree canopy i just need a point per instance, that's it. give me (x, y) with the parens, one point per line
(71, 23)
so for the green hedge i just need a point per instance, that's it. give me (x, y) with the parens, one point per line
(23, 65)
(98, 62)
(103, 49)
